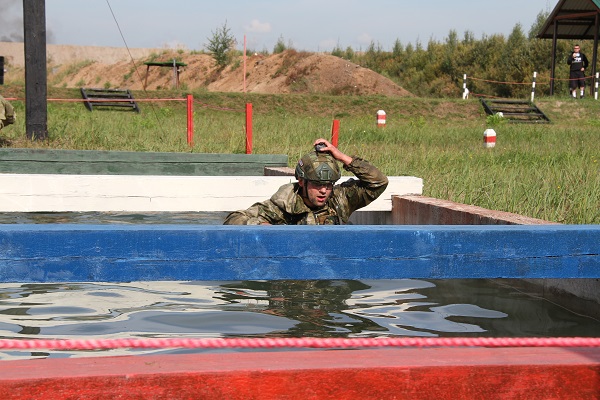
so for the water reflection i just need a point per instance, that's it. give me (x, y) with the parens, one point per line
(200, 217)
(316, 306)
(324, 308)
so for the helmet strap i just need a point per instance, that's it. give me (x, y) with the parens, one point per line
(304, 191)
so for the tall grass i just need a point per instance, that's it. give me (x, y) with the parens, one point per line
(546, 171)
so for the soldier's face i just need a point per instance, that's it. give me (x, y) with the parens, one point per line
(316, 194)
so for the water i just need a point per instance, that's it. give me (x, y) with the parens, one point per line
(336, 308)
(201, 218)
(330, 308)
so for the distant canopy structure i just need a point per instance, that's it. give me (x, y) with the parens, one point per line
(175, 65)
(572, 20)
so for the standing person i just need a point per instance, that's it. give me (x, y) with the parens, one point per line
(578, 62)
(315, 199)
(7, 113)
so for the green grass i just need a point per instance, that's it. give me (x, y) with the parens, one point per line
(546, 171)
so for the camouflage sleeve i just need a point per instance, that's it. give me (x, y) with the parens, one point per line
(370, 185)
(2, 108)
(7, 113)
(257, 214)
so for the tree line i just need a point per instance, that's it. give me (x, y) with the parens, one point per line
(497, 65)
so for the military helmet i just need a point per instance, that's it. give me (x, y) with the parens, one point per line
(318, 167)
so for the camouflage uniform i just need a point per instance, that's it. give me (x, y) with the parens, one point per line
(286, 206)
(7, 113)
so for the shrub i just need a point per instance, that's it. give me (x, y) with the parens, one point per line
(220, 44)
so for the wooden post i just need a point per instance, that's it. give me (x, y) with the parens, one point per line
(1, 70)
(175, 75)
(553, 66)
(146, 80)
(36, 90)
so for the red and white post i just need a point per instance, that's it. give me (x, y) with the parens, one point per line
(489, 138)
(533, 86)
(381, 119)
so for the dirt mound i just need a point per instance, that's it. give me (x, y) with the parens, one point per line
(299, 72)
(287, 72)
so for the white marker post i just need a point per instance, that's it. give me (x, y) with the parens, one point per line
(489, 138)
(381, 119)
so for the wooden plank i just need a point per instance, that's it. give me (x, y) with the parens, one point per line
(49, 193)
(422, 210)
(108, 103)
(165, 63)
(82, 162)
(107, 253)
(425, 373)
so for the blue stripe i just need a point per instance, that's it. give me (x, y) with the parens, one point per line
(109, 253)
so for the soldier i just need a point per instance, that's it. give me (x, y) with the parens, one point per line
(7, 113)
(315, 199)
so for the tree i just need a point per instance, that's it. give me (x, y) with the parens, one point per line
(280, 46)
(220, 44)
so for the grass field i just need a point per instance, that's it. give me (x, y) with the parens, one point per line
(546, 171)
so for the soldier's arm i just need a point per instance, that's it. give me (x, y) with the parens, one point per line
(264, 213)
(368, 174)
(334, 151)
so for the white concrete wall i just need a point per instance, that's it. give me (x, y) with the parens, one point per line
(60, 193)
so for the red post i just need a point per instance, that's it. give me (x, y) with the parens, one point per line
(335, 132)
(190, 119)
(248, 128)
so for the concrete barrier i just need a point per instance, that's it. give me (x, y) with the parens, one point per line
(59, 192)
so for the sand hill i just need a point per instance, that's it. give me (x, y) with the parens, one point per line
(287, 72)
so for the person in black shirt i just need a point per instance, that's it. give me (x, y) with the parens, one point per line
(578, 62)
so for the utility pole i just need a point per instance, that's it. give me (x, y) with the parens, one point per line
(36, 88)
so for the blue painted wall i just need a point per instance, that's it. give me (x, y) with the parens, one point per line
(116, 253)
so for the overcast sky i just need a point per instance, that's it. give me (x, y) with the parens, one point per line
(313, 25)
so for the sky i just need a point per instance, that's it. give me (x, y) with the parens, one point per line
(311, 25)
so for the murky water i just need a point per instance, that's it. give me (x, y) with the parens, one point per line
(328, 308)
(336, 308)
(201, 218)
